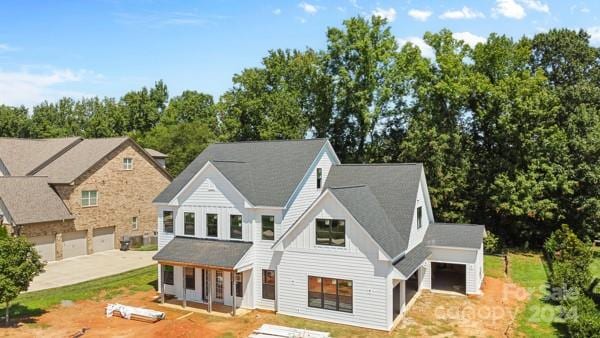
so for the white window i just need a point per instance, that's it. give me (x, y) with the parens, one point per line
(89, 198)
(134, 223)
(128, 163)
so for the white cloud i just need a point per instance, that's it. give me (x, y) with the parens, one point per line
(389, 14)
(469, 38)
(509, 9)
(426, 49)
(277, 11)
(308, 8)
(27, 86)
(7, 48)
(594, 33)
(464, 13)
(421, 15)
(536, 5)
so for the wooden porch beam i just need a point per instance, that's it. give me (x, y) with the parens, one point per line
(234, 284)
(162, 284)
(184, 287)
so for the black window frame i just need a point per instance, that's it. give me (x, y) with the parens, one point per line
(313, 297)
(419, 217)
(170, 226)
(189, 279)
(231, 226)
(215, 226)
(329, 232)
(186, 224)
(268, 290)
(319, 177)
(272, 227)
(239, 285)
(169, 274)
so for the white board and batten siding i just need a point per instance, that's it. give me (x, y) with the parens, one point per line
(358, 261)
(264, 259)
(417, 235)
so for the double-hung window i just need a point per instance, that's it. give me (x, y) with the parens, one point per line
(235, 226)
(330, 232)
(128, 163)
(212, 225)
(189, 223)
(268, 227)
(89, 198)
(190, 278)
(168, 274)
(134, 223)
(330, 293)
(168, 221)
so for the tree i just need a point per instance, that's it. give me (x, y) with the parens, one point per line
(14, 122)
(191, 106)
(19, 263)
(143, 109)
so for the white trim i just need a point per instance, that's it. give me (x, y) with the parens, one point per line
(448, 262)
(451, 247)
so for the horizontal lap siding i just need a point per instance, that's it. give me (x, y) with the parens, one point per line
(369, 290)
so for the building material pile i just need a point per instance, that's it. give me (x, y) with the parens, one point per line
(275, 331)
(130, 312)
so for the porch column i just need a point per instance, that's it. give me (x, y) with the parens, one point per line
(209, 273)
(184, 287)
(162, 284)
(234, 284)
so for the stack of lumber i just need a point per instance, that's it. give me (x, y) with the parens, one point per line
(136, 313)
(275, 331)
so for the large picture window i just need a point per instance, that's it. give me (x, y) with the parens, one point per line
(330, 293)
(189, 223)
(168, 274)
(235, 226)
(168, 221)
(268, 227)
(331, 232)
(212, 225)
(268, 284)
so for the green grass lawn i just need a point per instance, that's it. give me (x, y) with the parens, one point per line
(35, 303)
(147, 247)
(494, 266)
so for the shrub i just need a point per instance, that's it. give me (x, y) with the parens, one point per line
(491, 243)
(582, 317)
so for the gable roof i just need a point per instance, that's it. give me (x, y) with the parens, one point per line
(31, 200)
(381, 197)
(468, 236)
(23, 156)
(265, 172)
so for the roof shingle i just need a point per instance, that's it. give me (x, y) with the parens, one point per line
(413, 259)
(22, 156)
(468, 236)
(207, 252)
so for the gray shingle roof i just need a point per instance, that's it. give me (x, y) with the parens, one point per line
(455, 235)
(390, 197)
(413, 259)
(22, 156)
(207, 252)
(265, 172)
(77, 160)
(155, 153)
(31, 200)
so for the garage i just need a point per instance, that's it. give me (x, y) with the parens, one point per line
(104, 239)
(45, 246)
(449, 277)
(74, 243)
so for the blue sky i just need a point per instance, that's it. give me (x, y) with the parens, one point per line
(50, 49)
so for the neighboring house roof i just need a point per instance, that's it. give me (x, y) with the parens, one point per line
(468, 236)
(381, 197)
(31, 200)
(408, 264)
(264, 172)
(23, 156)
(203, 252)
(155, 153)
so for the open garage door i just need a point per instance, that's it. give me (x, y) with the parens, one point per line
(449, 277)
(45, 246)
(74, 244)
(104, 239)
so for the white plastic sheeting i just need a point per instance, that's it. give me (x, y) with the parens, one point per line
(127, 311)
(275, 331)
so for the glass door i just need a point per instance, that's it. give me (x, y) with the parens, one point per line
(219, 285)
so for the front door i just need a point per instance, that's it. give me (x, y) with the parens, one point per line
(219, 286)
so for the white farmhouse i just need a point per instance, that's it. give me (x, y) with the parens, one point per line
(283, 226)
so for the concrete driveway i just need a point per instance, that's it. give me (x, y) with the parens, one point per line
(83, 268)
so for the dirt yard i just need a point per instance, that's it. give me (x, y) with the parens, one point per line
(432, 315)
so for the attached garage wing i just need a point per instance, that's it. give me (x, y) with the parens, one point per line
(104, 239)
(45, 246)
(74, 244)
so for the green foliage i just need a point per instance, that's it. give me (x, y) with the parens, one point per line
(570, 260)
(19, 263)
(491, 244)
(582, 317)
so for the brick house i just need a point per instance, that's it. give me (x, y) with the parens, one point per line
(75, 196)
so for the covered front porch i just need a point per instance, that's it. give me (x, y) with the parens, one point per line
(202, 275)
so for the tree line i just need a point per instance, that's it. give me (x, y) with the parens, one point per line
(508, 130)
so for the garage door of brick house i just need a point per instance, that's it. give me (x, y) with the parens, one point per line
(104, 239)
(74, 243)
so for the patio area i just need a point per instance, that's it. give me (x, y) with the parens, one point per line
(218, 309)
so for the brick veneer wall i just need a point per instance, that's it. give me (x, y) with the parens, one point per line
(122, 194)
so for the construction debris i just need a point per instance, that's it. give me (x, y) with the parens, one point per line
(275, 331)
(136, 313)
